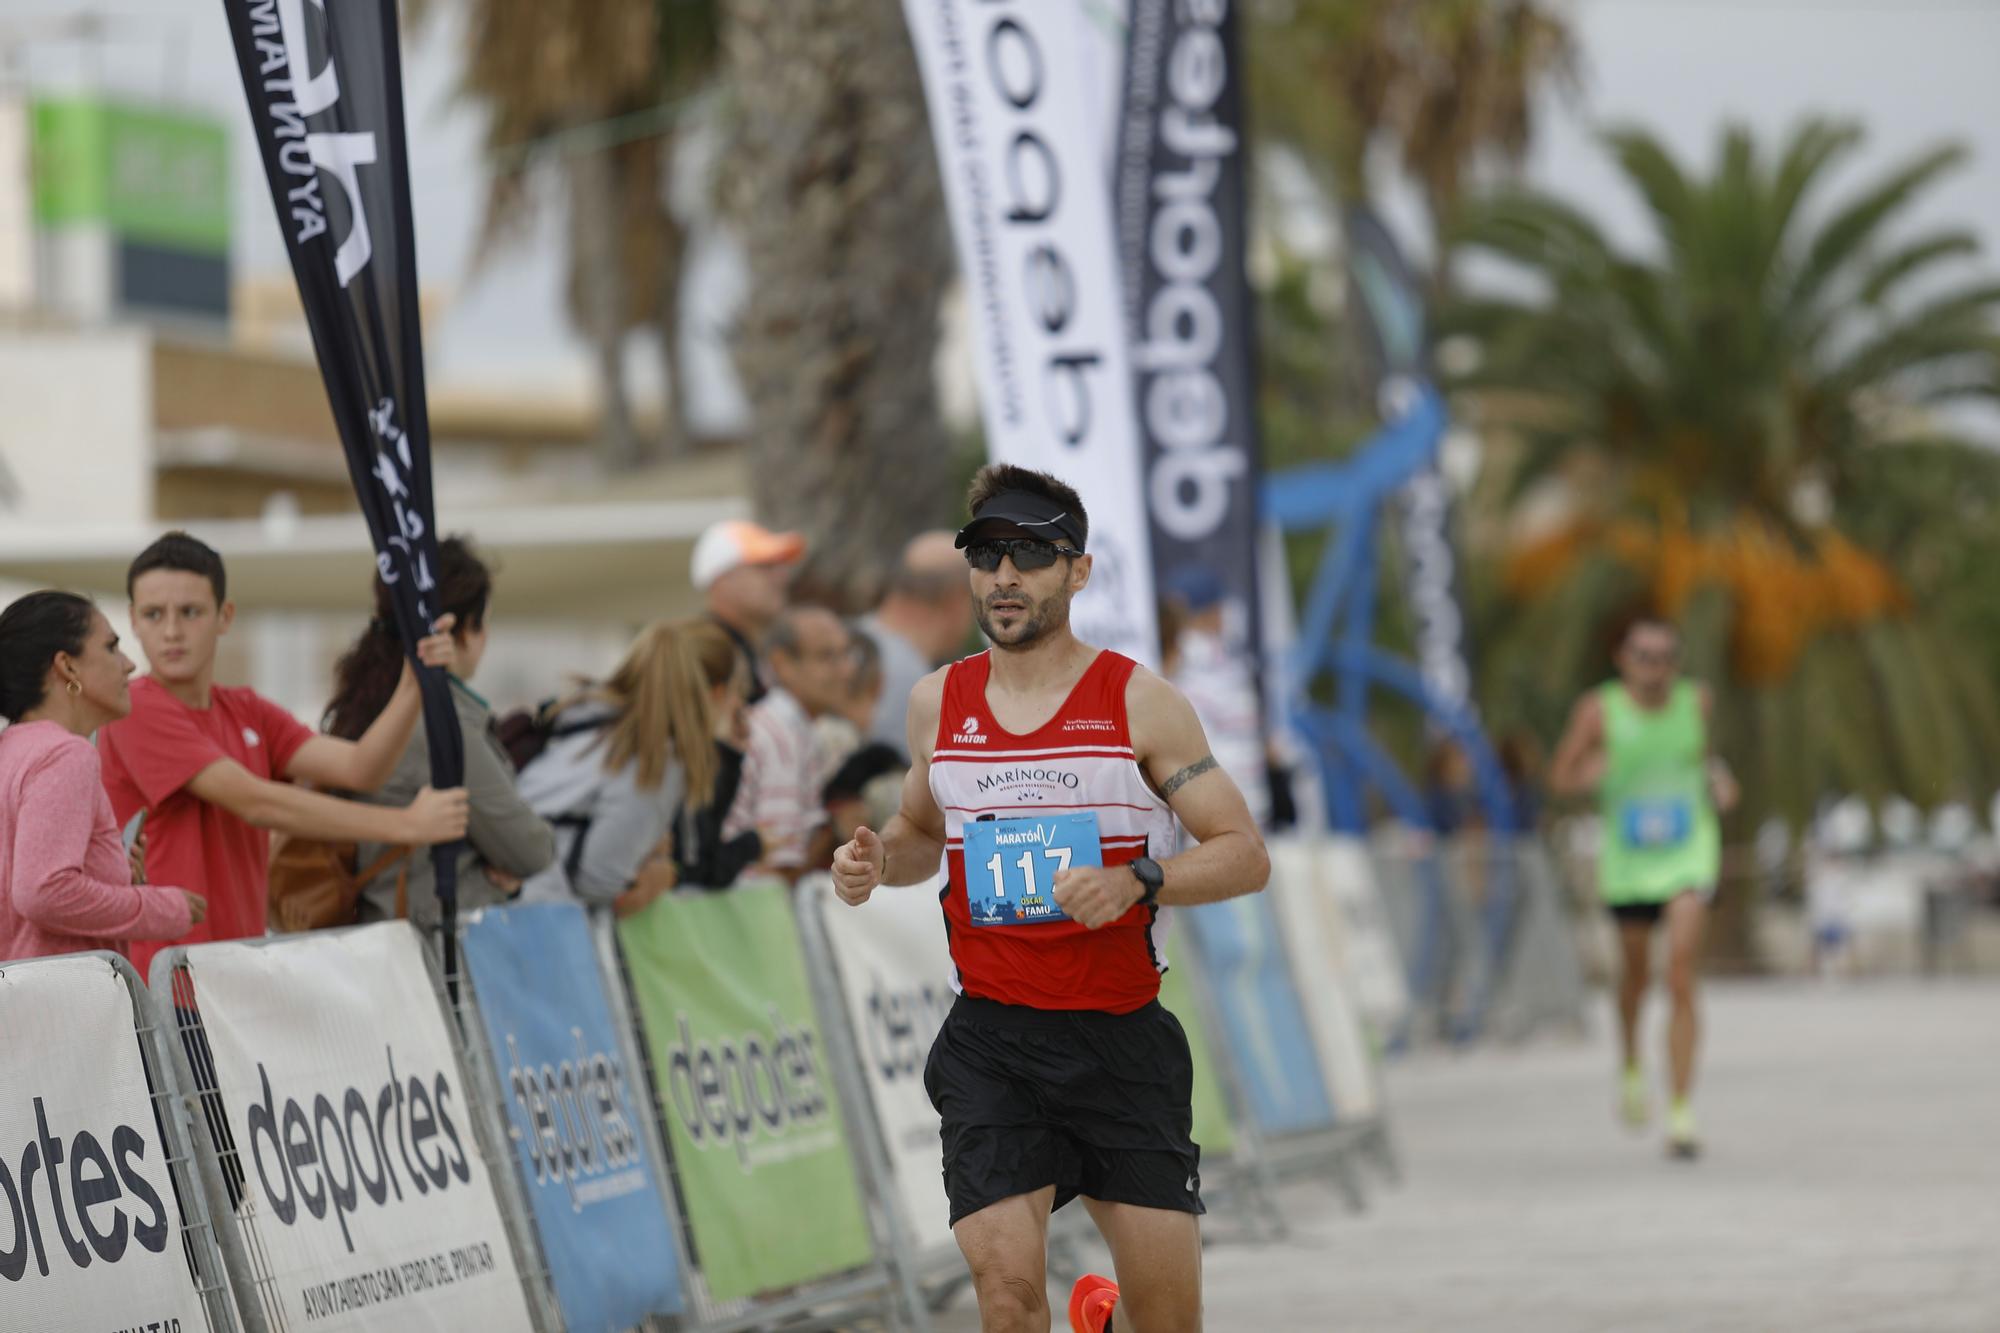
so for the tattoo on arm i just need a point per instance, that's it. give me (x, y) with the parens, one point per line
(1187, 775)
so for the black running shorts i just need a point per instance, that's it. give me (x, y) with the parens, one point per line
(1092, 1103)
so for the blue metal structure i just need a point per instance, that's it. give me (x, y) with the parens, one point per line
(1349, 500)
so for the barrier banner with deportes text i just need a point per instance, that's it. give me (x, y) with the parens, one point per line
(574, 1115)
(895, 980)
(752, 1117)
(1243, 960)
(366, 1203)
(90, 1236)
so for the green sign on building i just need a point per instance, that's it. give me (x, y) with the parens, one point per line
(154, 177)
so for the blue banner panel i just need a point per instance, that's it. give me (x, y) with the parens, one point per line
(573, 1116)
(1243, 960)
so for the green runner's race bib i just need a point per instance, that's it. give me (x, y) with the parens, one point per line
(1011, 865)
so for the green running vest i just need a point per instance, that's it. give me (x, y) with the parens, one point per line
(1661, 836)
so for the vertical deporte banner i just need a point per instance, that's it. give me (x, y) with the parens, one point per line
(574, 1116)
(1011, 109)
(366, 1203)
(90, 1234)
(1180, 200)
(324, 84)
(753, 1120)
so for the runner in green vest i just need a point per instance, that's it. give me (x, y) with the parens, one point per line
(1641, 743)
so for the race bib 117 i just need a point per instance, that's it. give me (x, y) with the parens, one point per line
(1011, 865)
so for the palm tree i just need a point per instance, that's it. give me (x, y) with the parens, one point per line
(1741, 426)
(832, 184)
(1450, 85)
(592, 89)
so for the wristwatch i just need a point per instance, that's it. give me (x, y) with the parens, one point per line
(1147, 871)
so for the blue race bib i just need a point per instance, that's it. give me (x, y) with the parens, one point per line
(1653, 825)
(1011, 865)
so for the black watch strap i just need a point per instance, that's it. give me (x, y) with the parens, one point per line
(1151, 878)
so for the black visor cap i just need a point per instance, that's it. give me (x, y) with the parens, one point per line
(1033, 514)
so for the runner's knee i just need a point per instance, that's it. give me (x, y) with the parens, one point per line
(1006, 1296)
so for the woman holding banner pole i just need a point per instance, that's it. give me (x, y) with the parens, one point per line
(66, 884)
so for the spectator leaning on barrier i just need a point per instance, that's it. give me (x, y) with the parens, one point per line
(66, 884)
(741, 571)
(505, 840)
(212, 765)
(923, 620)
(784, 770)
(702, 857)
(621, 757)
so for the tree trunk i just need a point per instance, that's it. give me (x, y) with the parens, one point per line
(832, 183)
(674, 435)
(597, 278)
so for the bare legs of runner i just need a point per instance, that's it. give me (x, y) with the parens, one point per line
(1635, 939)
(1006, 1247)
(1687, 914)
(1159, 1250)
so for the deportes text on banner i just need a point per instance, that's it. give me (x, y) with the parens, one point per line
(1179, 185)
(1243, 961)
(324, 84)
(752, 1116)
(365, 1197)
(1007, 90)
(573, 1116)
(895, 979)
(89, 1235)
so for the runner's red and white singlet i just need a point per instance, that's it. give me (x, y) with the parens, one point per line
(1080, 759)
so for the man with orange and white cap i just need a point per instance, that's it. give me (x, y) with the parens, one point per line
(741, 570)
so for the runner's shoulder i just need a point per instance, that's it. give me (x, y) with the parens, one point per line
(1154, 708)
(926, 703)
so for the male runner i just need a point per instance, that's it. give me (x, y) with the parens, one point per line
(1057, 1074)
(1642, 743)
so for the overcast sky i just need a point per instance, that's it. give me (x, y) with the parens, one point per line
(1911, 71)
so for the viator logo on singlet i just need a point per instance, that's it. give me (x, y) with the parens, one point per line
(968, 733)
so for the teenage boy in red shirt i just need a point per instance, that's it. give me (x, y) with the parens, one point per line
(212, 766)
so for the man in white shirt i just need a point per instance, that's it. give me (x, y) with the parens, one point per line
(807, 659)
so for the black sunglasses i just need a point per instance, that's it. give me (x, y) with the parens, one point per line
(1027, 553)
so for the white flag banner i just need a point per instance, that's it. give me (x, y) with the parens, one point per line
(89, 1231)
(895, 980)
(1019, 129)
(365, 1199)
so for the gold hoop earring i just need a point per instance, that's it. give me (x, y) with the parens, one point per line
(75, 688)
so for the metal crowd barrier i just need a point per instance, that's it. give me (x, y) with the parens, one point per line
(875, 1291)
(164, 1095)
(907, 1275)
(239, 1233)
(1485, 934)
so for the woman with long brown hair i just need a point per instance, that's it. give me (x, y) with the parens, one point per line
(505, 840)
(622, 754)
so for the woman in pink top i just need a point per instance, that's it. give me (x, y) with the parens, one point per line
(65, 883)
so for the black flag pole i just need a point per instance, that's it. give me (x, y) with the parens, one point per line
(325, 91)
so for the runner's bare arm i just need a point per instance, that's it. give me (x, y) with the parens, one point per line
(1229, 859)
(1578, 765)
(1723, 789)
(909, 847)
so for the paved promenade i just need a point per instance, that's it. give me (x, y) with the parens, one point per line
(1851, 1184)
